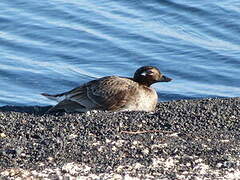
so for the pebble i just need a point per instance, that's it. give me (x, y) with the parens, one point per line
(184, 139)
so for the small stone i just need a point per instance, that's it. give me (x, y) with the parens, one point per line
(3, 135)
(50, 158)
(145, 151)
(114, 148)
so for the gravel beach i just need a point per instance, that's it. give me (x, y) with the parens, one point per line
(185, 139)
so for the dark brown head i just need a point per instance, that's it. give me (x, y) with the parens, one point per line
(147, 75)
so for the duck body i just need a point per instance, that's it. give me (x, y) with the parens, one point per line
(111, 93)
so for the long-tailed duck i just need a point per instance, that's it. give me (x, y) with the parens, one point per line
(113, 93)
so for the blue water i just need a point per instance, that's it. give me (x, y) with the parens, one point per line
(55, 45)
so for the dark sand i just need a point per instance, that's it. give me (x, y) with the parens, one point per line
(184, 139)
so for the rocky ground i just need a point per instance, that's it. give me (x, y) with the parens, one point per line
(187, 139)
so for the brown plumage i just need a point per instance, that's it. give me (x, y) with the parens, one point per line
(113, 93)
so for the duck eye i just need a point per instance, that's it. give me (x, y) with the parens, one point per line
(148, 72)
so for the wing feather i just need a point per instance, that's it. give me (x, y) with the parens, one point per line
(106, 93)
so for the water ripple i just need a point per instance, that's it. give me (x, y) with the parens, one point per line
(53, 46)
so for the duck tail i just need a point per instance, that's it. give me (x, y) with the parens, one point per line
(55, 97)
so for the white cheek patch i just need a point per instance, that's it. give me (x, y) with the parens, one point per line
(144, 73)
(147, 73)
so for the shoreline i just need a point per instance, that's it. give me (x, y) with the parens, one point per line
(182, 139)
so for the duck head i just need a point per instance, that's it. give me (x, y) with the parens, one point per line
(147, 75)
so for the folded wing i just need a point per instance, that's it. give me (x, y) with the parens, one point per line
(108, 93)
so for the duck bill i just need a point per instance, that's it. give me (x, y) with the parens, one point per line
(164, 79)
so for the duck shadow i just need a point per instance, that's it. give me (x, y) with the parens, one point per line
(36, 110)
